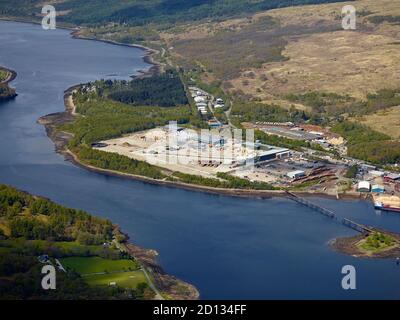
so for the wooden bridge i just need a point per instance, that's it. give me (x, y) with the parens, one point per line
(330, 214)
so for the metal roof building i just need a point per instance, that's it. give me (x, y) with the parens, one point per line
(364, 186)
(296, 174)
(377, 188)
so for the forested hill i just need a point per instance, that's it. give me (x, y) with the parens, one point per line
(139, 12)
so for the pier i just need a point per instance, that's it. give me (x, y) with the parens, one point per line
(330, 214)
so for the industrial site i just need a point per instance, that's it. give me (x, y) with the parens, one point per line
(206, 153)
(225, 149)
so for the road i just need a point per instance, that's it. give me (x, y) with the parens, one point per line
(152, 286)
(158, 295)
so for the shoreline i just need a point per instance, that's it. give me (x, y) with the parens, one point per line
(147, 57)
(74, 33)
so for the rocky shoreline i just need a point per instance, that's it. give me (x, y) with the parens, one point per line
(349, 246)
(176, 289)
(11, 92)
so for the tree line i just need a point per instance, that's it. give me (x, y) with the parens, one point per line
(163, 90)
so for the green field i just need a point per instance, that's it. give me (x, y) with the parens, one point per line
(98, 271)
(122, 279)
(88, 265)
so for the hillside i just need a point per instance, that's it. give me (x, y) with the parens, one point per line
(293, 50)
(300, 57)
(139, 12)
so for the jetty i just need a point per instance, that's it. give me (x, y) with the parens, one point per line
(330, 214)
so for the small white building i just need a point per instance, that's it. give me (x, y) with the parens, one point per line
(199, 99)
(364, 186)
(201, 104)
(296, 174)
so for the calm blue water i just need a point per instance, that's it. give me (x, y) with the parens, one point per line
(229, 248)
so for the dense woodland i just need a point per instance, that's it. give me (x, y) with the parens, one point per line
(254, 111)
(38, 218)
(327, 105)
(31, 226)
(225, 181)
(369, 145)
(163, 90)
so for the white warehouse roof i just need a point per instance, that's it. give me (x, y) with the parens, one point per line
(364, 185)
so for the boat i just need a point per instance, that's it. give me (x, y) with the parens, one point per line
(386, 207)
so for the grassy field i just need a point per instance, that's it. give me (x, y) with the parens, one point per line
(123, 279)
(101, 272)
(385, 121)
(88, 265)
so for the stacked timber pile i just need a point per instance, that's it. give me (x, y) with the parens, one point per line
(393, 201)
